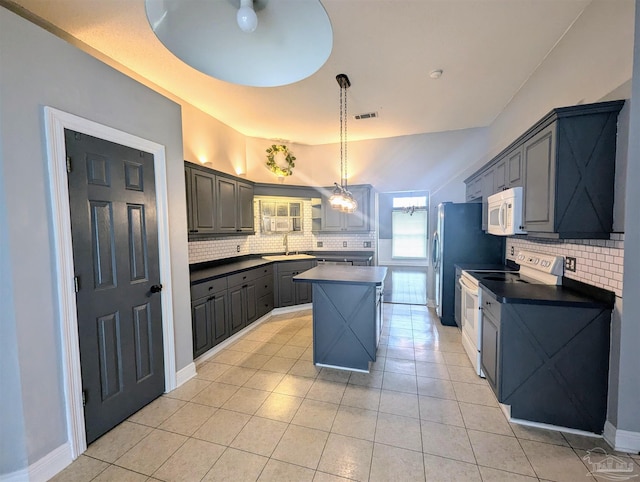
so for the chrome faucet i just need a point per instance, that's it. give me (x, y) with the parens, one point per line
(285, 243)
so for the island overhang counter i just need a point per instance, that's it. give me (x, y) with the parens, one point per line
(347, 314)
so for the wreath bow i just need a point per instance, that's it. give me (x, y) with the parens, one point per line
(272, 152)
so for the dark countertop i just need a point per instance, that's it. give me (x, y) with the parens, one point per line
(341, 255)
(484, 267)
(201, 272)
(571, 293)
(216, 271)
(360, 275)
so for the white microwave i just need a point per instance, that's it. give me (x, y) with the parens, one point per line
(504, 212)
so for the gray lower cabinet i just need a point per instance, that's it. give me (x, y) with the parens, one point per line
(550, 363)
(243, 306)
(209, 315)
(224, 306)
(288, 293)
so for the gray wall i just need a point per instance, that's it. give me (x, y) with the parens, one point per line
(39, 69)
(627, 411)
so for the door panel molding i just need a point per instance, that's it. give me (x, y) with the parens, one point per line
(55, 122)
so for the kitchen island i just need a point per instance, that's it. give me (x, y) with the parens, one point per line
(347, 314)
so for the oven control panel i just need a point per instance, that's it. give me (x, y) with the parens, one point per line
(546, 263)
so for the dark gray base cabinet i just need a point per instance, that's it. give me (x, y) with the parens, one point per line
(549, 363)
(224, 306)
(209, 315)
(288, 293)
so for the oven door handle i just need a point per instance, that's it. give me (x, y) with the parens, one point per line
(463, 284)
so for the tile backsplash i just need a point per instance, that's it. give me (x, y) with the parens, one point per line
(226, 247)
(598, 262)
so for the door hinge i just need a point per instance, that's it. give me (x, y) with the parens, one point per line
(84, 398)
(68, 164)
(76, 283)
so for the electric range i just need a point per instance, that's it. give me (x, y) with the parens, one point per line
(535, 268)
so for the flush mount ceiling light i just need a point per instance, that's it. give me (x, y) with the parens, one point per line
(258, 43)
(342, 199)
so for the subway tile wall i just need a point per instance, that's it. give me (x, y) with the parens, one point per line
(201, 251)
(598, 262)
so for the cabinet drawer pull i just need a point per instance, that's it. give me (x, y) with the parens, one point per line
(210, 288)
(245, 286)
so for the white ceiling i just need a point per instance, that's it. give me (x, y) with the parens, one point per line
(487, 49)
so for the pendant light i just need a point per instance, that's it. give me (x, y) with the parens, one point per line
(257, 43)
(342, 199)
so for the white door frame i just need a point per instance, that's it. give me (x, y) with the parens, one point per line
(55, 123)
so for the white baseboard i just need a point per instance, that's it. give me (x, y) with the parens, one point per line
(45, 468)
(232, 339)
(622, 440)
(186, 374)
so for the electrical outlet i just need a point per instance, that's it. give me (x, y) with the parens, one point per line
(570, 263)
(366, 244)
(344, 244)
(513, 250)
(319, 244)
(238, 248)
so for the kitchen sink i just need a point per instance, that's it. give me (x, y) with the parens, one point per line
(288, 257)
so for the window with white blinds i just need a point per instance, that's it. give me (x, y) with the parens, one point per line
(409, 220)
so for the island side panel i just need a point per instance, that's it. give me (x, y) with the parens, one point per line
(344, 325)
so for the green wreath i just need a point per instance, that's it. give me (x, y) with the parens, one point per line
(288, 156)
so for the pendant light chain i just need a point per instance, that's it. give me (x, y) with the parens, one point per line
(342, 175)
(341, 198)
(346, 172)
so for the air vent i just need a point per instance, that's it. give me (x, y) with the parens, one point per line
(368, 115)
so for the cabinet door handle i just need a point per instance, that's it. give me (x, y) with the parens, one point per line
(193, 230)
(210, 288)
(487, 303)
(245, 286)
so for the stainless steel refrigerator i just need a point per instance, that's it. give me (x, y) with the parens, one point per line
(459, 239)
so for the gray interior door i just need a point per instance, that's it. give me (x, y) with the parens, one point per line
(115, 255)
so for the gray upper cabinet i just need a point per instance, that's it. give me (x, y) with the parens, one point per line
(474, 188)
(500, 175)
(565, 164)
(488, 188)
(569, 165)
(217, 204)
(539, 154)
(333, 221)
(226, 204)
(514, 167)
(245, 207)
(201, 200)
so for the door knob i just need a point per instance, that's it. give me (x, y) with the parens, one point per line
(156, 288)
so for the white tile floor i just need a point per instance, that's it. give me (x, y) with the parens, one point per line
(405, 285)
(260, 410)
